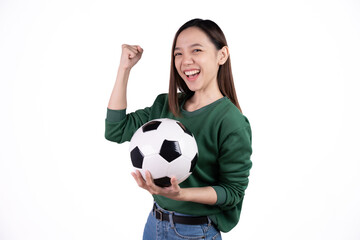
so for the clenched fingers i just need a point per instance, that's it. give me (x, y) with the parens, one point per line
(132, 50)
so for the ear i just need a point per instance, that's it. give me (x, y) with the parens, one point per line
(223, 55)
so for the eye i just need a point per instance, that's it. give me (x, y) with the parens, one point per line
(196, 50)
(177, 54)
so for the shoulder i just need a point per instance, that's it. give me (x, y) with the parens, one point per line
(161, 99)
(234, 129)
(234, 124)
(164, 97)
(233, 118)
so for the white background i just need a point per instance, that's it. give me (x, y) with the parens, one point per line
(296, 66)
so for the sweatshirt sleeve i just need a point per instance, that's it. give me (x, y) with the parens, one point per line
(121, 126)
(234, 167)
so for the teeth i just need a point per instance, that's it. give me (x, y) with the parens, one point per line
(193, 72)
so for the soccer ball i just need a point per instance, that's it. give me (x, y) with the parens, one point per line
(166, 148)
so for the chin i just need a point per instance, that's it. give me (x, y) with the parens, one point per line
(191, 85)
(192, 88)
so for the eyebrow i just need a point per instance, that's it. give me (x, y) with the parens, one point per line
(191, 46)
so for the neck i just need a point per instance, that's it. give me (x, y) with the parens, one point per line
(202, 99)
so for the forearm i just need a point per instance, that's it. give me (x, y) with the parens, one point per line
(130, 55)
(118, 99)
(203, 195)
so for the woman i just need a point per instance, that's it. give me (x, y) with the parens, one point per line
(210, 200)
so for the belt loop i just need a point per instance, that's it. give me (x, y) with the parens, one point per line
(153, 210)
(157, 213)
(171, 220)
(209, 221)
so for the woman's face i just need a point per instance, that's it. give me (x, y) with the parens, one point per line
(197, 60)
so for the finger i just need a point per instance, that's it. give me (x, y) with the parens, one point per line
(139, 179)
(174, 181)
(136, 48)
(127, 46)
(174, 184)
(148, 178)
(152, 188)
(130, 51)
(136, 178)
(139, 49)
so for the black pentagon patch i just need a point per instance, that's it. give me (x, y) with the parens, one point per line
(170, 150)
(163, 182)
(184, 128)
(137, 157)
(153, 125)
(193, 163)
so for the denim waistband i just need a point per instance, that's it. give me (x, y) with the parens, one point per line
(173, 212)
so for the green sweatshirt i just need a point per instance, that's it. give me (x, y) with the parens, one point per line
(223, 136)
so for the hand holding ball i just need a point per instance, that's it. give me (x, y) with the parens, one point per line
(165, 148)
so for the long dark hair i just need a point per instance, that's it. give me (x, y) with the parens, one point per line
(224, 76)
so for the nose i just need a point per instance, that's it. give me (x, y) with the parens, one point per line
(187, 59)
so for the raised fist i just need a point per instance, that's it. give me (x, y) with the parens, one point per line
(130, 55)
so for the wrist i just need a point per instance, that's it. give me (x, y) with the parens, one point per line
(203, 195)
(124, 68)
(123, 77)
(183, 195)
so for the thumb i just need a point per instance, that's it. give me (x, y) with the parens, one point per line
(174, 182)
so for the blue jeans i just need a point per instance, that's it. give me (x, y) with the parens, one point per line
(168, 230)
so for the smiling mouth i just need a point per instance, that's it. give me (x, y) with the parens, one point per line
(191, 75)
